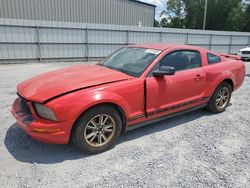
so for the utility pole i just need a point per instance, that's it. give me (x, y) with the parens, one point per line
(205, 15)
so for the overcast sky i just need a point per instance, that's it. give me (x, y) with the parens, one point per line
(160, 5)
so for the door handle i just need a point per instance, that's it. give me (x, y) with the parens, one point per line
(198, 77)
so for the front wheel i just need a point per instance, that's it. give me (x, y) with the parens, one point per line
(97, 130)
(220, 98)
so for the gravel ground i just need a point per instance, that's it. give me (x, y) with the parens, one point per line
(198, 149)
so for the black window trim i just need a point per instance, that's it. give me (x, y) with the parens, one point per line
(214, 55)
(191, 50)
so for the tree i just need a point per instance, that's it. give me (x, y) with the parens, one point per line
(176, 11)
(194, 13)
(176, 7)
(218, 12)
(236, 20)
(164, 22)
(247, 16)
(221, 14)
(156, 23)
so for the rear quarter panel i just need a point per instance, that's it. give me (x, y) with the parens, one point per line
(226, 69)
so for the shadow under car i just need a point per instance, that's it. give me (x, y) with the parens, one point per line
(23, 148)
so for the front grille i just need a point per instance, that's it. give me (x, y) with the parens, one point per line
(25, 106)
(245, 52)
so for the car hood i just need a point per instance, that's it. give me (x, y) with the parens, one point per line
(56, 83)
(245, 49)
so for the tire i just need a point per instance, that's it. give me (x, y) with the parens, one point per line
(214, 105)
(89, 133)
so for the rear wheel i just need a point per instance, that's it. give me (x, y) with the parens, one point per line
(220, 98)
(97, 129)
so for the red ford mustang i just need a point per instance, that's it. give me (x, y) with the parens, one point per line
(134, 86)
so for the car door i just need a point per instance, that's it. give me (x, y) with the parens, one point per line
(179, 91)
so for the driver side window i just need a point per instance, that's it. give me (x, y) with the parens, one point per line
(180, 60)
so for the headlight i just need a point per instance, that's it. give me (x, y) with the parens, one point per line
(44, 112)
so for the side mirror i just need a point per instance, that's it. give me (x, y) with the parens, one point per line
(164, 70)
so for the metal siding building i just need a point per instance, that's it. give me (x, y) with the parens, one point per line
(118, 12)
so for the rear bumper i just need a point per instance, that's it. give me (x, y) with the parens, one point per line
(40, 129)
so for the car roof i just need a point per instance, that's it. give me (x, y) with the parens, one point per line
(163, 46)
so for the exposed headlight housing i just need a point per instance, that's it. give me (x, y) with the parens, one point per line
(44, 112)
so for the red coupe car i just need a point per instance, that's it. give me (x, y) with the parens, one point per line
(136, 85)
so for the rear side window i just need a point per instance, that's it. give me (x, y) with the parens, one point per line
(211, 58)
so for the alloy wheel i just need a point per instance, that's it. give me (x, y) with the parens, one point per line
(99, 130)
(222, 98)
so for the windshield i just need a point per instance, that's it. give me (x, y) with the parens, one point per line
(131, 61)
